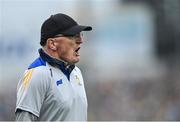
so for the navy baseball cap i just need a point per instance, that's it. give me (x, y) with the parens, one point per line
(60, 24)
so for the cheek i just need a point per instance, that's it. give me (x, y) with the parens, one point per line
(65, 50)
(70, 47)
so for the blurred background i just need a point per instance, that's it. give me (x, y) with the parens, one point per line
(130, 61)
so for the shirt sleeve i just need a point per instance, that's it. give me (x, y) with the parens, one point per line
(22, 115)
(31, 91)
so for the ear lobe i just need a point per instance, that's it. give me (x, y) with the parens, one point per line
(54, 48)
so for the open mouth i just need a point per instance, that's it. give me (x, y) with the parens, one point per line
(77, 51)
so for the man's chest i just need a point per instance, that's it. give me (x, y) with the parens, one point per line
(65, 90)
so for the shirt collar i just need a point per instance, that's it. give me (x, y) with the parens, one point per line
(66, 69)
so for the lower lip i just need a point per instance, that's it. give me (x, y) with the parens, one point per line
(77, 54)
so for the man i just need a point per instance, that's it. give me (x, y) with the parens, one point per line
(52, 89)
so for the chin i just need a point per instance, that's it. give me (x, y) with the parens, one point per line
(73, 61)
(76, 60)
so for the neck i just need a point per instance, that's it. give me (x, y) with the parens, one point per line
(54, 55)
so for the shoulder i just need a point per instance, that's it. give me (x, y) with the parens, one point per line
(35, 77)
(39, 62)
(40, 73)
(39, 68)
(37, 74)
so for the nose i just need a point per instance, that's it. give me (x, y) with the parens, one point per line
(79, 40)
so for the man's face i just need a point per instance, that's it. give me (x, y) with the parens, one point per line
(68, 48)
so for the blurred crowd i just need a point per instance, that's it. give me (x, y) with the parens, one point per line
(142, 99)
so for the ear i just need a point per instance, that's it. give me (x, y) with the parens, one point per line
(51, 44)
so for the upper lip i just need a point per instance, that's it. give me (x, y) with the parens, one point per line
(77, 49)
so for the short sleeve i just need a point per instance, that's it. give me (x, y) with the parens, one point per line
(25, 116)
(31, 90)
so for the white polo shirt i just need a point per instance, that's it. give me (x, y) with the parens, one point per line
(46, 92)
